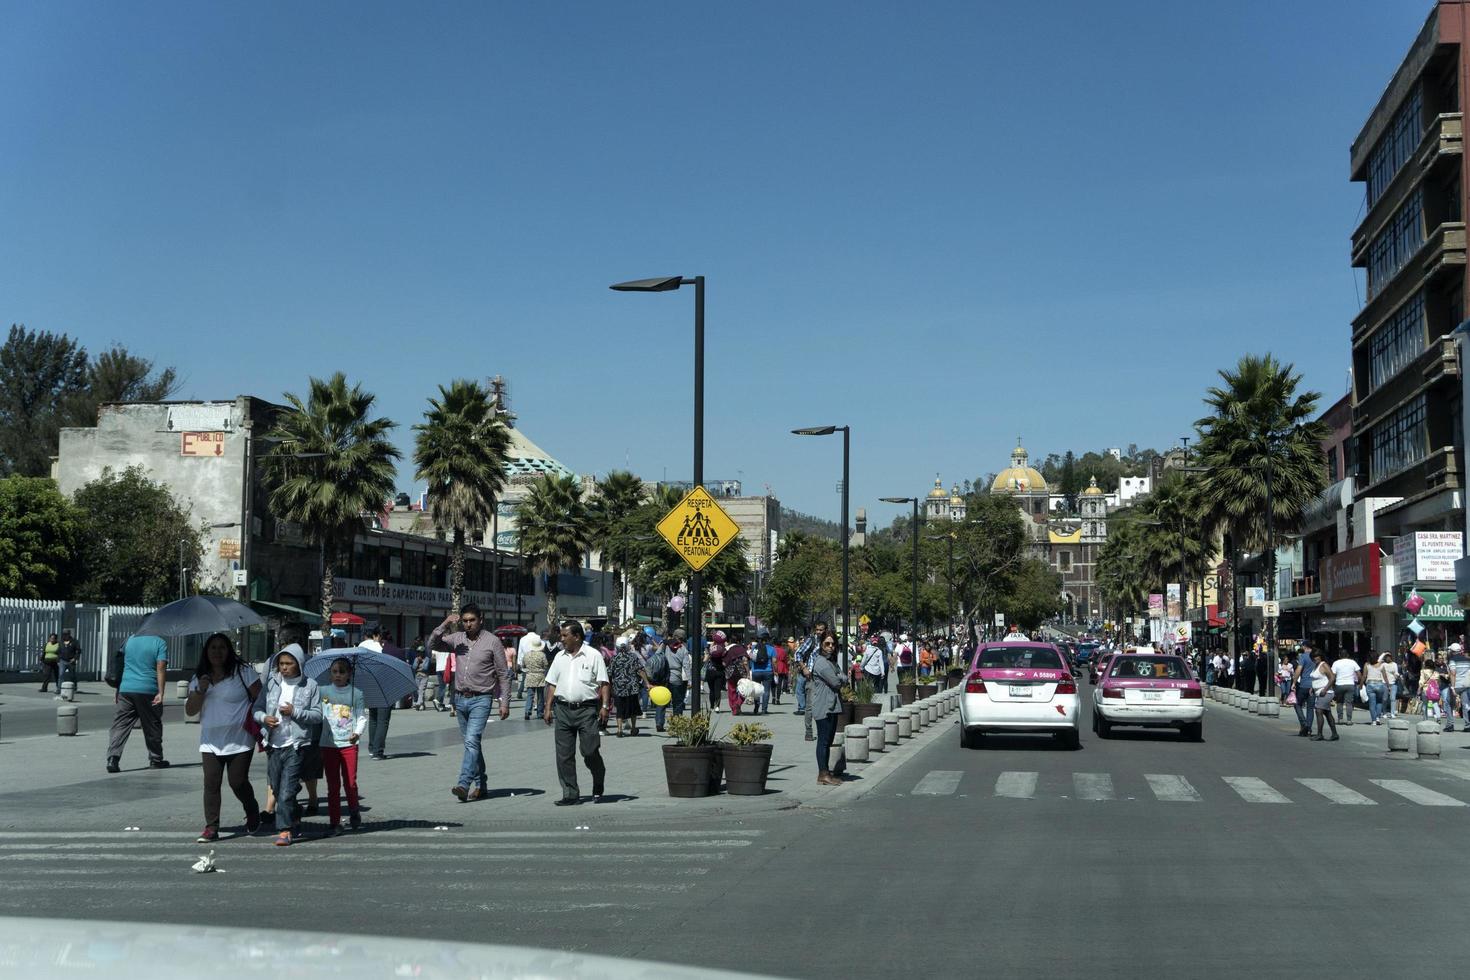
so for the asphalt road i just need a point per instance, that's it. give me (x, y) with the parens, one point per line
(1141, 856)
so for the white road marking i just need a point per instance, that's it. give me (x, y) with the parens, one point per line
(1093, 785)
(1016, 785)
(1415, 793)
(1172, 789)
(939, 782)
(1337, 792)
(1254, 790)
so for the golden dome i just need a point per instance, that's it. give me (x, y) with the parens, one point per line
(955, 500)
(938, 492)
(1093, 490)
(1019, 477)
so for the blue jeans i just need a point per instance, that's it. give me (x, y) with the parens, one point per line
(283, 770)
(763, 702)
(1377, 701)
(536, 702)
(472, 713)
(676, 704)
(826, 729)
(801, 692)
(66, 671)
(1303, 706)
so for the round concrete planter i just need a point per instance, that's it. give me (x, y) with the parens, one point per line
(862, 712)
(907, 693)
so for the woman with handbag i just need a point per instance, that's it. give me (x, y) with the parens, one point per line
(223, 693)
(1322, 692)
(714, 669)
(1283, 677)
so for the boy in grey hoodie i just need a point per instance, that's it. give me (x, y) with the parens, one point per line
(288, 708)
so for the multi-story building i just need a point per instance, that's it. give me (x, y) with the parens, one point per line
(1406, 451)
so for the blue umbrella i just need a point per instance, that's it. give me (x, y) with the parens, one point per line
(199, 614)
(383, 680)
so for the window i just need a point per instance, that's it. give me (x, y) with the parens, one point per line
(1150, 668)
(1397, 342)
(1396, 243)
(1396, 145)
(1015, 656)
(1399, 440)
(1064, 561)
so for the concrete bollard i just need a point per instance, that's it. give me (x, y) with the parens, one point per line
(856, 743)
(1398, 734)
(1427, 736)
(933, 713)
(68, 690)
(181, 690)
(890, 728)
(905, 722)
(876, 741)
(834, 754)
(1270, 708)
(1253, 704)
(66, 719)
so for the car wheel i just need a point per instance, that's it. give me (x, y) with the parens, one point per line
(1195, 731)
(1094, 721)
(1104, 727)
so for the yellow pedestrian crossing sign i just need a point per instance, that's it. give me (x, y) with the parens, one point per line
(697, 528)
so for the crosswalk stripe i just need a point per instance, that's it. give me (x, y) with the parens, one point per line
(1337, 792)
(1093, 785)
(1415, 793)
(1172, 789)
(357, 857)
(456, 833)
(1254, 790)
(598, 846)
(940, 782)
(1016, 785)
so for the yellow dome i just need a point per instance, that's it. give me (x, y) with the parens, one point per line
(955, 500)
(1019, 477)
(1093, 490)
(938, 492)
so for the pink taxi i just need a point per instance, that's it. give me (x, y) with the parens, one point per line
(1155, 690)
(1019, 687)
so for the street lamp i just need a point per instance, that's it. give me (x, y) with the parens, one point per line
(664, 284)
(827, 430)
(914, 624)
(948, 538)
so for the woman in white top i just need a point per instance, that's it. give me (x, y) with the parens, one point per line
(1322, 678)
(1378, 692)
(223, 693)
(1393, 682)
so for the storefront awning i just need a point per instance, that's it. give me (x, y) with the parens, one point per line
(303, 614)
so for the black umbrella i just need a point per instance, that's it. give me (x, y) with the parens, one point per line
(199, 614)
(383, 679)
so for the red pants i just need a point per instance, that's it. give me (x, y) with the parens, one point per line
(341, 770)
(734, 695)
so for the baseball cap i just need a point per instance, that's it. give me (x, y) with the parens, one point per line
(1455, 648)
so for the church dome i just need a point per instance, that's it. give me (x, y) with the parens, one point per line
(938, 492)
(1093, 490)
(955, 500)
(1019, 477)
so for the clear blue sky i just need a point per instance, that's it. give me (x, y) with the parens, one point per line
(948, 224)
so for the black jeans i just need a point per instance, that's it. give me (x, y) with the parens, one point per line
(237, 767)
(378, 720)
(826, 729)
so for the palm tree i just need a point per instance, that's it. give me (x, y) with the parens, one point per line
(1172, 543)
(554, 531)
(1262, 449)
(333, 464)
(618, 496)
(1120, 572)
(460, 451)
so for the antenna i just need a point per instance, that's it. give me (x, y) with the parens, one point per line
(500, 396)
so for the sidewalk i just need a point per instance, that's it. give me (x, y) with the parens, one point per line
(65, 775)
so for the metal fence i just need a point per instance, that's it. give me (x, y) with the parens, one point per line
(26, 623)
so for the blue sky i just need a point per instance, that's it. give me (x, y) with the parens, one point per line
(947, 224)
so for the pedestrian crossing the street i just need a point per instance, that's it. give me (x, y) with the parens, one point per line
(1174, 788)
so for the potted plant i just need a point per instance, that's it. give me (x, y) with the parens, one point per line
(746, 753)
(906, 686)
(863, 705)
(844, 697)
(692, 760)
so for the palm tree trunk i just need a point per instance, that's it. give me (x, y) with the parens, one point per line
(329, 589)
(551, 596)
(456, 571)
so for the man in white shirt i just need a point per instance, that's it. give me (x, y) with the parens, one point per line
(531, 639)
(1345, 675)
(578, 699)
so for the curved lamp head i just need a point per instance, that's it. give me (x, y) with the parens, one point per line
(898, 500)
(816, 430)
(662, 284)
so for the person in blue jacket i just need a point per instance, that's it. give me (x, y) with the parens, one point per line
(763, 669)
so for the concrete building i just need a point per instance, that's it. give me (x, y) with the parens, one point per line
(1406, 450)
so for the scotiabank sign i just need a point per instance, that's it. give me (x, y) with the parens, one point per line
(1352, 574)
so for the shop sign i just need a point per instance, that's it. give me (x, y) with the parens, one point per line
(391, 595)
(1155, 605)
(1428, 556)
(1441, 607)
(1351, 574)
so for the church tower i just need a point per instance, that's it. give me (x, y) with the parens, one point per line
(1094, 514)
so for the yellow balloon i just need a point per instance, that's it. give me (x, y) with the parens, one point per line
(660, 695)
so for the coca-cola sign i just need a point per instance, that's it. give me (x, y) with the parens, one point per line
(1352, 574)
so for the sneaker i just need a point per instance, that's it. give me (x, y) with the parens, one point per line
(207, 836)
(569, 801)
(158, 764)
(354, 820)
(474, 794)
(283, 839)
(112, 764)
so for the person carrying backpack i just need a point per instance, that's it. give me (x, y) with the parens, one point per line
(763, 670)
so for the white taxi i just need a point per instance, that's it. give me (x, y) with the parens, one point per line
(1154, 690)
(1019, 686)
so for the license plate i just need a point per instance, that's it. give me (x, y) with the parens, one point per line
(1153, 695)
(1024, 691)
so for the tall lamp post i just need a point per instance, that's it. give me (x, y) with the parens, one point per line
(827, 430)
(664, 284)
(914, 624)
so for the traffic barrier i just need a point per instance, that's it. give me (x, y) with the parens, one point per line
(1270, 708)
(931, 713)
(876, 741)
(1253, 704)
(856, 743)
(1398, 734)
(181, 690)
(834, 754)
(68, 690)
(67, 719)
(890, 728)
(1427, 738)
(905, 722)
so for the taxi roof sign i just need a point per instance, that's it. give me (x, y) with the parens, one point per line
(698, 528)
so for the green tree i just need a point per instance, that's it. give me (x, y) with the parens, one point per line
(38, 537)
(460, 450)
(806, 581)
(554, 531)
(989, 547)
(1035, 595)
(332, 464)
(118, 376)
(610, 511)
(1120, 569)
(1174, 547)
(39, 373)
(1069, 484)
(132, 537)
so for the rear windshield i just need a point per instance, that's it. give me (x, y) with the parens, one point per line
(1152, 668)
(1026, 658)
(1089, 648)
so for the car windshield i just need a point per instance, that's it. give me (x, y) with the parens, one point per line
(1019, 657)
(1150, 668)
